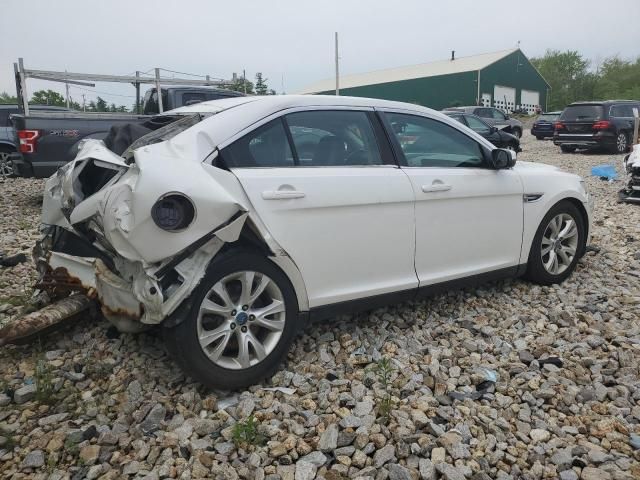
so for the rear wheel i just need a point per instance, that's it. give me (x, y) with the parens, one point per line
(557, 245)
(622, 143)
(241, 325)
(567, 149)
(538, 137)
(6, 168)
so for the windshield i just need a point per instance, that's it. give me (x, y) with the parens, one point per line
(582, 112)
(164, 133)
(548, 117)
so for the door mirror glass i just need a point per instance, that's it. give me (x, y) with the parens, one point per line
(502, 158)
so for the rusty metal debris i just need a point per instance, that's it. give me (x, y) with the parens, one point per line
(29, 326)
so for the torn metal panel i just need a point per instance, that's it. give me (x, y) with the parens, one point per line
(631, 164)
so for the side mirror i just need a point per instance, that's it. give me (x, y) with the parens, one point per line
(502, 158)
(493, 129)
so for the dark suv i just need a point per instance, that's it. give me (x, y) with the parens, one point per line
(607, 124)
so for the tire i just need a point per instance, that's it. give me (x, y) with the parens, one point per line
(516, 132)
(566, 149)
(541, 267)
(6, 169)
(622, 143)
(223, 366)
(538, 137)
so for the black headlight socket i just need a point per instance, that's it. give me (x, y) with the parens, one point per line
(173, 212)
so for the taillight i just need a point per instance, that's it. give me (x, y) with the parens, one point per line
(28, 140)
(602, 125)
(558, 126)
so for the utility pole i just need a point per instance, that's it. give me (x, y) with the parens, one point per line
(66, 87)
(159, 91)
(137, 92)
(244, 80)
(337, 68)
(84, 108)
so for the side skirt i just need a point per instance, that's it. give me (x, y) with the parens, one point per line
(325, 312)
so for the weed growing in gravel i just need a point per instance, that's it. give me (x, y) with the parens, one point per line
(9, 442)
(383, 370)
(245, 433)
(44, 383)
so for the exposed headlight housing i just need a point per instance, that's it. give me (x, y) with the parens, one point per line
(173, 212)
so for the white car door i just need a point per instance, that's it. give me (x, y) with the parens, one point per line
(324, 184)
(469, 217)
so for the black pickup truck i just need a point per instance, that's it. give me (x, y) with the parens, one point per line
(47, 140)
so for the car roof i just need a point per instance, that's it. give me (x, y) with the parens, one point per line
(281, 102)
(602, 102)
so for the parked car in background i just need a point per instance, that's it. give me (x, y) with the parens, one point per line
(499, 138)
(493, 116)
(8, 144)
(607, 124)
(218, 227)
(543, 125)
(48, 140)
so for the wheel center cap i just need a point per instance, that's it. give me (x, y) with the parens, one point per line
(242, 318)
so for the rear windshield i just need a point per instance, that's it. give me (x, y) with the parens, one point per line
(582, 112)
(547, 117)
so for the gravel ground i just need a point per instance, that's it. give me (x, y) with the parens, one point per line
(508, 381)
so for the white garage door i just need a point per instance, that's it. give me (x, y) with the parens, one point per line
(529, 100)
(504, 98)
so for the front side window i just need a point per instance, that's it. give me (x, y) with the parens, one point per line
(477, 125)
(324, 138)
(266, 146)
(497, 114)
(429, 143)
(190, 98)
(484, 112)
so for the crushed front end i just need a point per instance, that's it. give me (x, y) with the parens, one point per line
(631, 165)
(135, 232)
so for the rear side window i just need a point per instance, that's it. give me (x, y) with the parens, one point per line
(547, 118)
(189, 98)
(497, 114)
(4, 117)
(333, 138)
(319, 139)
(429, 143)
(625, 111)
(576, 113)
(267, 146)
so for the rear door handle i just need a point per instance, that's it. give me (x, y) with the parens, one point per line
(281, 194)
(436, 187)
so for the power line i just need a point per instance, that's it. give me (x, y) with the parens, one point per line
(103, 93)
(191, 74)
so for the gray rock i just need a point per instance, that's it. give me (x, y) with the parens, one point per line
(52, 419)
(305, 470)
(634, 441)
(351, 421)
(449, 472)
(33, 459)
(317, 458)
(329, 438)
(452, 442)
(562, 459)
(590, 473)
(398, 472)
(153, 419)
(568, 475)
(4, 400)
(365, 407)
(384, 455)
(427, 469)
(25, 394)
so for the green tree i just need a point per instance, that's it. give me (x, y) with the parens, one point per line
(47, 97)
(101, 105)
(569, 77)
(261, 85)
(618, 78)
(240, 84)
(92, 106)
(6, 98)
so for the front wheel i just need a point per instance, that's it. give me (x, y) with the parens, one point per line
(241, 325)
(557, 245)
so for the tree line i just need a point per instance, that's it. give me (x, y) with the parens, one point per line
(574, 78)
(51, 97)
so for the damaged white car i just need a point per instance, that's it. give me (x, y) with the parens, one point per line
(232, 223)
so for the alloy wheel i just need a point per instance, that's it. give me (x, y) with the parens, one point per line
(6, 169)
(241, 320)
(621, 143)
(559, 244)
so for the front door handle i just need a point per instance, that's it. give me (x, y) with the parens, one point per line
(436, 187)
(282, 194)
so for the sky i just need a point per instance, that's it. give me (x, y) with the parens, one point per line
(291, 42)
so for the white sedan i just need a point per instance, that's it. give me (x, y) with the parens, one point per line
(232, 223)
